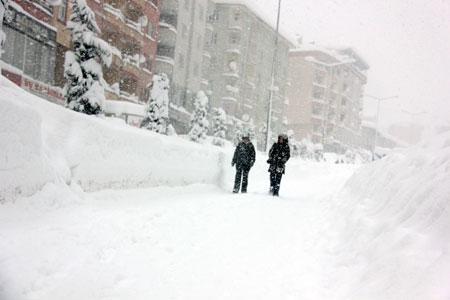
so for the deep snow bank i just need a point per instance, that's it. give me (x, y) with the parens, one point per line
(41, 142)
(391, 225)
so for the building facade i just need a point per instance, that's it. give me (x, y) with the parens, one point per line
(180, 55)
(241, 46)
(325, 96)
(37, 40)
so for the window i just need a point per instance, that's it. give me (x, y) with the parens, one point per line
(19, 43)
(319, 78)
(342, 117)
(186, 4)
(317, 93)
(148, 62)
(196, 69)
(144, 95)
(344, 101)
(199, 41)
(214, 38)
(200, 13)
(235, 38)
(317, 111)
(237, 16)
(35, 58)
(183, 31)
(214, 16)
(181, 61)
(62, 10)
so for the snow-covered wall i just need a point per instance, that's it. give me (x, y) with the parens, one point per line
(389, 228)
(41, 142)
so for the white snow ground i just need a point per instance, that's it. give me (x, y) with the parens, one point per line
(194, 242)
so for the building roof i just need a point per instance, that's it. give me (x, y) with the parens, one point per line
(253, 6)
(330, 56)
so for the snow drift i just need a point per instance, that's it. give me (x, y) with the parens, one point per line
(391, 227)
(42, 142)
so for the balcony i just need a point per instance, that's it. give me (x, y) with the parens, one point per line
(118, 19)
(165, 59)
(165, 51)
(167, 35)
(206, 54)
(318, 100)
(231, 74)
(318, 117)
(168, 19)
(320, 84)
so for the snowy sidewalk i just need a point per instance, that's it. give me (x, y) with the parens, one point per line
(194, 242)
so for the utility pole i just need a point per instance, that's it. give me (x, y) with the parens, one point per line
(272, 86)
(376, 123)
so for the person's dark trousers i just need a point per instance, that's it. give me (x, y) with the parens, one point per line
(241, 172)
(275, 180)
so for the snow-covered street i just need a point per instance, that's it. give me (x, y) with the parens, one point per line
(193, 242)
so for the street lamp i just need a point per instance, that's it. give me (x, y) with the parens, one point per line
(376, 124)
(269, 113)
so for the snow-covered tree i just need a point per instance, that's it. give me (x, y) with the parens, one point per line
(249, 130)
(84, 89)
(4, 14)
(157, 116)
(238, 132)
(294, 144)
(199, 121)
(219, 119)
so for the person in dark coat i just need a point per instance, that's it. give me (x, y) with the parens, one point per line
(279, 154)
(243, 158)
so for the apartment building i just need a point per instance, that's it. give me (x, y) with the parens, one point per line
(241, 43)
(180, 55)
(37, 40)
(325, 96)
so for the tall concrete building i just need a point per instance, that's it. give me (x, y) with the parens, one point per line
(180, 54)
(241, 45)
(325, 96)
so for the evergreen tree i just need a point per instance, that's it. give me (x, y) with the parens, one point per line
(84, 90)
(157, 116)
(249, 130)
(219, 129)
(199, 121)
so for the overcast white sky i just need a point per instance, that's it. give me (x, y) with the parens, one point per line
(405, 42)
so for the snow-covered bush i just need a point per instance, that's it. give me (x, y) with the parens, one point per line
(318, 152)
(219, 119)
(157, 116)
(306, 149)
(199, 121)
(84, 89)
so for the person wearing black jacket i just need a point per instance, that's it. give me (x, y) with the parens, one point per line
(243, 158)
(278, 156)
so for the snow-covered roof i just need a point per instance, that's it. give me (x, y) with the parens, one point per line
(256, 8)
(341, 55)
(119, 108)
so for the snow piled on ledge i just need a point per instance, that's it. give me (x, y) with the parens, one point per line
(41, 142)
(390, 227)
